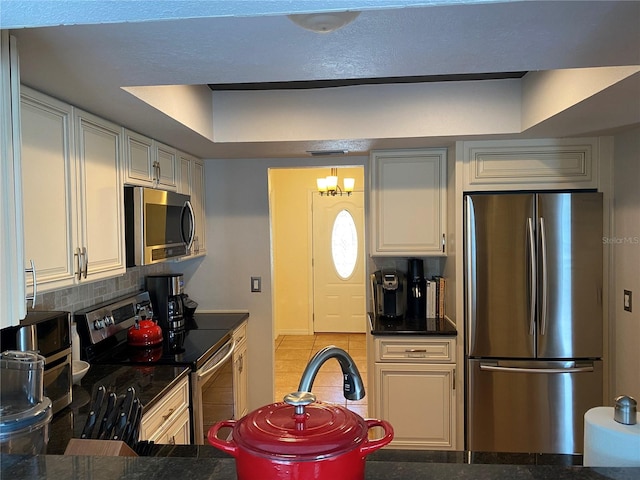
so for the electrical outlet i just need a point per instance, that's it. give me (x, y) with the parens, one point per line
(627, 300)
(256, 284)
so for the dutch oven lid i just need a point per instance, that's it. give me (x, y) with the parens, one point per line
(300, 427)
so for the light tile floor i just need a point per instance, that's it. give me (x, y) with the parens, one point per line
(293, 353)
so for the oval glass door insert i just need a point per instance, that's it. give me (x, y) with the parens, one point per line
(344, 244)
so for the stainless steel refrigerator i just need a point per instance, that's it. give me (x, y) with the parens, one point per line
(533, 308)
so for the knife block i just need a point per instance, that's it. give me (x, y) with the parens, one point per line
(92, 447)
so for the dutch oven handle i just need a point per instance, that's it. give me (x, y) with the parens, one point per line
(372, 445)
(225, 446)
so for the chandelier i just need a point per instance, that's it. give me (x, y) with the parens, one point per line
(329, 185)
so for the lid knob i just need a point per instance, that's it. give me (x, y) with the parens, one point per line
(299, 400)
(625, 410)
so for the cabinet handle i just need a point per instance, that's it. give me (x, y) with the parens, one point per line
(443, 242)
(416, 350)
(32, 271)
(173, 440)
(164, 417)
(85, 258)
(78, 264)
(454, 379)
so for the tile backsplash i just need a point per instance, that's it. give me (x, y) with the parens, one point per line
(86, 295)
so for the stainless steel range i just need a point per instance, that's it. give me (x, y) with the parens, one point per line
(206, 348)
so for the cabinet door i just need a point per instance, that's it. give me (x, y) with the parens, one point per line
(408, 202)
(184, 174)
(49, 190)
(166, 163)
(101, 208)
(418, 400)
(12, 292)
(240, 372)
(139, 161)
(198, 203)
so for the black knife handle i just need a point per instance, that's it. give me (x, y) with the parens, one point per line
(93, 413)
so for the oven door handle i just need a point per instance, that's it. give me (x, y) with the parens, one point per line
(209, 370)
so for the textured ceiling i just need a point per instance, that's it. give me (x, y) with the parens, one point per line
(88, 65)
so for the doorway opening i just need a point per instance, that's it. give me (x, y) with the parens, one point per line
(313, 238)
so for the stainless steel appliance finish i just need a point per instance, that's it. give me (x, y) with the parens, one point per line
(212, 392)
(159, 225)
(533, 313)
(48, 334)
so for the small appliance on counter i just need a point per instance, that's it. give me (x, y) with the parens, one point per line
(166, 293)
(48, 334)
(416, 289)
(25, 412)
(389, 293)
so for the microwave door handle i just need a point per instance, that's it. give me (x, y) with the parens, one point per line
(188, 208)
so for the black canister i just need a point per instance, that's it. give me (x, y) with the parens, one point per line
(416, 289)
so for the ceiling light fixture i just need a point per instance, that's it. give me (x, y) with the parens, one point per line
(323, 22)
(329, 185)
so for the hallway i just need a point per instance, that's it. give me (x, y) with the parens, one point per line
(292, 352)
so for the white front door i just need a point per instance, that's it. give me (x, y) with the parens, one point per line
(338, 264)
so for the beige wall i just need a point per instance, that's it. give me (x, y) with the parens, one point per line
(290, 193)
(625, 242)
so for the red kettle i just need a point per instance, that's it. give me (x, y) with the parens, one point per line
(144, 333)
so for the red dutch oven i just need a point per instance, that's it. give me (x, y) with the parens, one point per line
(300, 440)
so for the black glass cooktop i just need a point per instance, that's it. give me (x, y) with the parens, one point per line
(408, 325)
(205, 334)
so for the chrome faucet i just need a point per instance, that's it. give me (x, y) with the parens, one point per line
(353, 388)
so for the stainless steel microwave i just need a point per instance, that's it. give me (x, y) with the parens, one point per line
(159, 225)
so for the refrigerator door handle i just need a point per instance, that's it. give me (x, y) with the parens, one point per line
(470, 273)
(543, 252)
(496, 368)
(533, 275)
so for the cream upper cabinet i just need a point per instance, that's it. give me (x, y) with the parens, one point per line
(73, 211)
(100, 203)
(12, 274)
(149, 163)
(50, 190)
(530, 164)
(191, 182)
(408, 202)
(414, 388)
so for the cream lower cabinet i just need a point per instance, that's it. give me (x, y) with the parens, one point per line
(72, 193)
(168, 421)
(240, 372)
(407, 197)
(415, 390)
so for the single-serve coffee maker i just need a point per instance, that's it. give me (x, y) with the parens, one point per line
(166, 293)
(389, 293)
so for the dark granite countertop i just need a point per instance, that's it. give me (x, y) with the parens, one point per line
(60, 467)
(410, 326)
(150, 382)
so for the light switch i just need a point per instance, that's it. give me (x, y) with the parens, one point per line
(256, 284)
(627, 300)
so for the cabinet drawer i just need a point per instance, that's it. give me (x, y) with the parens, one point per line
(412, 350)
(165, 411)
(240, 333)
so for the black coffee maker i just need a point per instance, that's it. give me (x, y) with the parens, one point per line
(389, 293)
(166, 294)
(416, 289)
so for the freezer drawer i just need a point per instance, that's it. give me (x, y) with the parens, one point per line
(530, 406)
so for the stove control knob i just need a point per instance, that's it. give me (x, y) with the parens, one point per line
(98, 324)
(108, 320)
